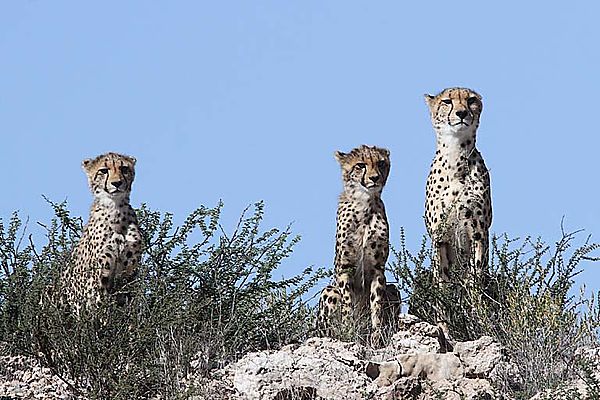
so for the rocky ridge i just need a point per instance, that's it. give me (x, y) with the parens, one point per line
(416, 365)
(419, 363)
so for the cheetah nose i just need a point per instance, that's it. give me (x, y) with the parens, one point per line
(462, 114)
(374, 178)
(116, 184)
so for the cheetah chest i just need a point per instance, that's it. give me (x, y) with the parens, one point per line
(365, 242)
(458, 195)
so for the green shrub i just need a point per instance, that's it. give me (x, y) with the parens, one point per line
(202, 297)
(526, 302)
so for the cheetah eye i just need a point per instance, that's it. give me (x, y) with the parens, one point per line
(360, 165)
(103, 171)
(381, 164)
(125, 170)
(471, 100)
(447, 101)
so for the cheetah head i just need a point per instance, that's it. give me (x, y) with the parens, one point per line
(365, 168)
(110, 175)
(455, 111)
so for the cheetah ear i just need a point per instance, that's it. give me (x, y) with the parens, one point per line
(339, 156)
(86, 163)
(133, 160)
(429, 99)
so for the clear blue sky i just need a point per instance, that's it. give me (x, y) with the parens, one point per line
(248, 100)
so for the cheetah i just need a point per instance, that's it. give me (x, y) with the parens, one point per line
(458, 206)
(109, 251)
(362, 242)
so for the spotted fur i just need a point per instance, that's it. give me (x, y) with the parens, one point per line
(458, 208)
(362, 240)
(109, 252)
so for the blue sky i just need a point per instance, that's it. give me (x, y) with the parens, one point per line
(248, 100)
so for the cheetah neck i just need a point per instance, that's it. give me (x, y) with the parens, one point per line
(108, 205)
(461, 140)
(105, 200)
(364, 202)
(456, 145)
(360, 195)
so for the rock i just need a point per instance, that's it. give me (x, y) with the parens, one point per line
(480, 356)
(415, 336)
(432, 366)
(333, 369)
(416, 365)
(463, 389)
(405, 389)
(384, 374)
(23, 377)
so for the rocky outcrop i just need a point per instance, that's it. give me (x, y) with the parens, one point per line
(415, 365)
(418, 363)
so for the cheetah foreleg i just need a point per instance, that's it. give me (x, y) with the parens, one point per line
(480, 256)
(441, 275)
(109, 261)
(131, 253)
(376, 302)
(329, 307)
(442, 271)
(345, 286)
